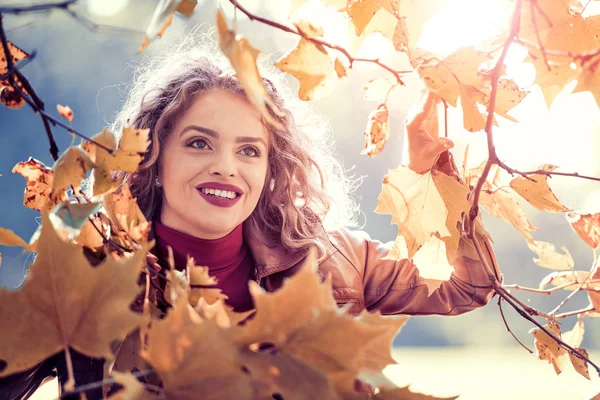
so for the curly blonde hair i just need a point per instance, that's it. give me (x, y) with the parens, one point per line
(310, 185)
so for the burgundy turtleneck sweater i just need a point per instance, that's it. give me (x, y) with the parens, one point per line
(228, 259)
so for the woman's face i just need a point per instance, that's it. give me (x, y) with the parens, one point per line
(218, 150)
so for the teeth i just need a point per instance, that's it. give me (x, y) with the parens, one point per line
(228, 194)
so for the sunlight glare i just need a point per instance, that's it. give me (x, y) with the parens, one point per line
(252, 6)
(106, 8)
(464, 23)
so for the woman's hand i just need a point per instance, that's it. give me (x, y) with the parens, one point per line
(421, 127)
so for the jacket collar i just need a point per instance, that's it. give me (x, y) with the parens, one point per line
(268, 260)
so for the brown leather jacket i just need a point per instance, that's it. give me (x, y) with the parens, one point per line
(362, 278)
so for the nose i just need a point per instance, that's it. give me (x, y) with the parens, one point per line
(223, 165)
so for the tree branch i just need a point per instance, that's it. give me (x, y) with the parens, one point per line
(508, 328)
(346, 53)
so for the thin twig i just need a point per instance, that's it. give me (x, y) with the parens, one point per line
(17, 9)
(584, 7)
(537, 35)
(545, 291)
(508, 328)
(575, 312)
(108, 381)
(351, 59)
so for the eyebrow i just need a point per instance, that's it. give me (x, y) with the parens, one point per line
(215, 134)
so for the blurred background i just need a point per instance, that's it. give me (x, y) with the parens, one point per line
(89, 71)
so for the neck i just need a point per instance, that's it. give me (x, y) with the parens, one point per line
(213, 253)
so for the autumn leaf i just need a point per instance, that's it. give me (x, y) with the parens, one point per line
(361, 12)
(163, 17)
(548, 349)
(70, 217)
(195, 356)
(502, 206)
(11, 98)
(432, 262)
(377, 132)
(588, 80)
(311, 65)
(123, 209)
(586, 226)
(418, 206)
(243, 60)
(537, 192)
(69, 170)
(134, 140)
(74, 304)
(38, 189)
(65, 112)
(186, 7)
(577, 278)
(404, 393)
(9, 238)
(440, 80)
(473, 119)
(17, 54)
(549, 257)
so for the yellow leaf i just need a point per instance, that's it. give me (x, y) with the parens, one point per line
(340, 69)
(473, 119)
(548, 349)
(589, 80)
(313, 68)
(415, 204)
(9, 238)
(454, 195)
(195, 356)
(65, 112)
(186, 7)
(549, 257)
(574, 337)
(73, 303)
(432, 262)
(377, 132)
(16, 53)
(134, 140)
(580, 365)
(361, 12)
(560, 278)
(504, 207)
(440, 80)
(243, 56)
(161, 20)
(38, 189)
(508, 96)
(586, 226)
(538, 193)
(464, 63)
(69, 170)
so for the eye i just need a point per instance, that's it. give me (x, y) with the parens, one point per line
(250, 151)
(202, 144)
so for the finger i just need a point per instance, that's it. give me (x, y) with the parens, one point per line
(441, 144)
(427, 106)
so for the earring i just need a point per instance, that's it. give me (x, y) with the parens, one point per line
(272, 184)
(156, 182)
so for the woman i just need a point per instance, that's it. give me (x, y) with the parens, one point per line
(248, 200)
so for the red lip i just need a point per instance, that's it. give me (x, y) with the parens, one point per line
(220, 186)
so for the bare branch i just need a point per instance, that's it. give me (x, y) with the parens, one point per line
(508, 328)
(17, 9)
(351, 59)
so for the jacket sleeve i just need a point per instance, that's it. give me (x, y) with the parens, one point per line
(395, 287)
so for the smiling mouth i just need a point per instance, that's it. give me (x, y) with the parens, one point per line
(220, 194)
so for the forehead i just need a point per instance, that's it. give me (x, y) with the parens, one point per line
(228, 114)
